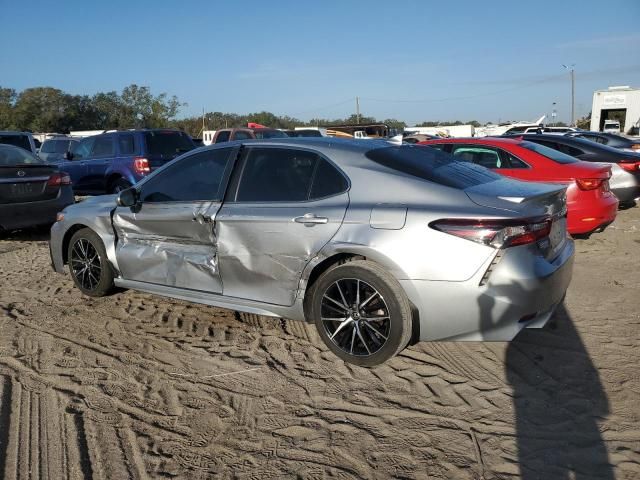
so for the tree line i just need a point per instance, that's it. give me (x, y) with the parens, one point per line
(47, 109)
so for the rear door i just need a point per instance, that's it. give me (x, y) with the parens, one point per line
(170, 238)
(285, 205)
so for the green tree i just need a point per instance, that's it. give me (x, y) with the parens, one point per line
(7, 101)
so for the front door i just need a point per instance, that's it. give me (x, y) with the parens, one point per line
(102, 155)
(285, 206)
(169, 238)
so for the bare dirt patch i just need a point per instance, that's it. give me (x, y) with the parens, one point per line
(137, 386)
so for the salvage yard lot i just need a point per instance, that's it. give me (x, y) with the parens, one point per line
(137, 386)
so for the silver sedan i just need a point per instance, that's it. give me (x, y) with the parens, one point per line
(377, 244)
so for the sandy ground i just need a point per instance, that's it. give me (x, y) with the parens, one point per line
(137, 386)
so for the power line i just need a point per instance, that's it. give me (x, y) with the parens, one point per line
(465, 97)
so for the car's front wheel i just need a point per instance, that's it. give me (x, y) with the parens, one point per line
(88, 264)
(361, 312)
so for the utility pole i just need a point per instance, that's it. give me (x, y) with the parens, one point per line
(573, 92)
(358, 110)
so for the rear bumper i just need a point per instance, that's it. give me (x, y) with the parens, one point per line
(587, 217)
(522, 291)
(22, 215)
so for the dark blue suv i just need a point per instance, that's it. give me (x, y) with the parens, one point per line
(114, 161)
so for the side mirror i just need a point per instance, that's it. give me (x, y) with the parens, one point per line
(128, 197)
(68, 156)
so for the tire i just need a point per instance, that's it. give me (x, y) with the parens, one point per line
(119, 185)
(366, 343)
(92, 274)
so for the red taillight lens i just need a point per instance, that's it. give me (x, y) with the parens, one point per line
(589, 183)
(58, 179)
(630, 165)
(141, 165)
(496, 233)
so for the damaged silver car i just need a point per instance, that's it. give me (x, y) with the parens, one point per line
(377, 244)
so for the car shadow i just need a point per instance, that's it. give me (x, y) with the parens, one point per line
(558, 400)
(34, 234)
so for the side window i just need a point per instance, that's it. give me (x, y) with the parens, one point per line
(196, 177)
(103, 147)
(61, 146)
(569, 150)
(126, 144)
(483, 156)
(514, 162)
(241, 135)
(48, 146)
(327, 181)
(439, 146)
(223, 137)
(276, 175)
(82, 149)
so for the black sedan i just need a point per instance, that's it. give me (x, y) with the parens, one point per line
(609, 139)
(32, 192)
(625, 166)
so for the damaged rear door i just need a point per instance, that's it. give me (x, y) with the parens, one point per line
(284, 206)
(169, 237)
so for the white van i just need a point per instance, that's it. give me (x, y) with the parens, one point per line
(611, 126)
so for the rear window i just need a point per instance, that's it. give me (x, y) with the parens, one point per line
(549, 152)
(269, 134)
(167, 143)
(21, 141)
(432, 165)
(10, 155)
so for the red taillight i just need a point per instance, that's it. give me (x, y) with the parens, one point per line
(589, 183)
(58, 179)
(630, 165)
(141, 165)
(496, 233)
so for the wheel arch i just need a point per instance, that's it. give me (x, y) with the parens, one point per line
(342, 254)
(67, 238)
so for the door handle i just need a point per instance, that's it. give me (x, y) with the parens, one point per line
(310, 219)
(202, 219)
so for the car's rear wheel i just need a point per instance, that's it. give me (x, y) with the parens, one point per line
(120, 185)
(88, 264)
(361, 312)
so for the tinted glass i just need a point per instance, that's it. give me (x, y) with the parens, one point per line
(241, 135)
(21, 141)
(269, 133)
(327, 181)
(49, 146)
(103, 147)
(486, 157)
(515, 162)
(82, 149)
(61, 146)
(126, 144)
(196, 177)
(167, 143)
(548, 152)
(276, 175)
(432, 165)
(223, 136)
(11, 155)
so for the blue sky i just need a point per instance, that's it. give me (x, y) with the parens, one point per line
(414, 60)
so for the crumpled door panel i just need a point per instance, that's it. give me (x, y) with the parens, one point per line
(171, 244)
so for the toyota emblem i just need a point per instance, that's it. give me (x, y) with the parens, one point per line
(21, 173)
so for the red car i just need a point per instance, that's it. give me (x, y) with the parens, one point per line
(590, 204)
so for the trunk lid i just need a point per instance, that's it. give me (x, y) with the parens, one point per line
(529, 201)
(26, 183)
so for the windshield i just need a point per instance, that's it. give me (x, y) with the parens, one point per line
(432, 165)
(10, 155)
(21, 141)
(168, 143)
(269, 134)
(549, 152)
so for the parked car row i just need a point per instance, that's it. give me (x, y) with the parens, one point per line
(374, 242)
